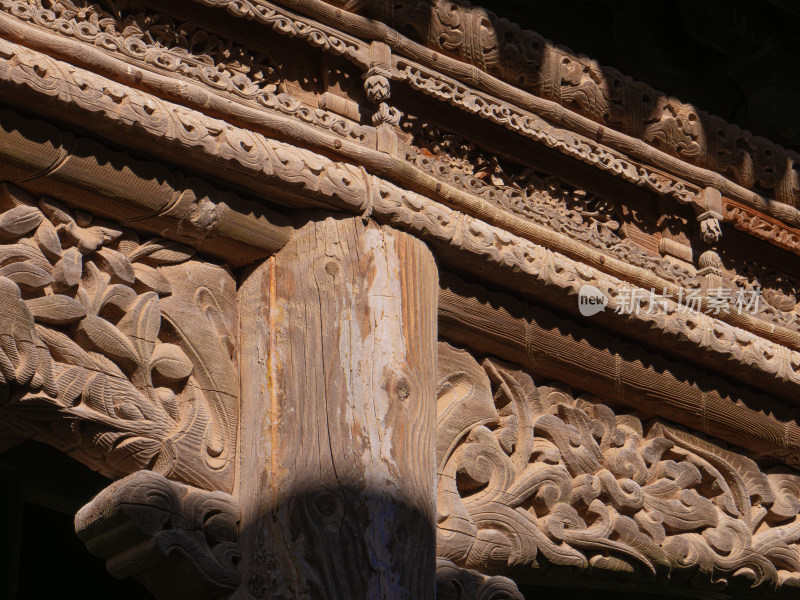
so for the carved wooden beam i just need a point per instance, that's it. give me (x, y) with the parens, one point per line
(621, 373)
(337, 473)
(145, 195)
(530, 72)
(536, 270)
(533, 475)
(283, 171)
(178, 541)
(279, 114)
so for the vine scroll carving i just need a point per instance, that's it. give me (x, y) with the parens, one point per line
(536, 475)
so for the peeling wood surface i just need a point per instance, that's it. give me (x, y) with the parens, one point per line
(340, 460)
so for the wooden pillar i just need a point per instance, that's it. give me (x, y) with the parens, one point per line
(338, 349)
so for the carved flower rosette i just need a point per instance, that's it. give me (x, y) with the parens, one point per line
(114, 349)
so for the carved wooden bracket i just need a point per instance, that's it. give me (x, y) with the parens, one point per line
(456, 583)
(178, 541)
(116, 350)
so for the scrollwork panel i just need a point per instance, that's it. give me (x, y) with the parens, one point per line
(536, 475)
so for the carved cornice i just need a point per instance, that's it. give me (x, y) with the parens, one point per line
(178, 541)
(637, 267)
(276, 169)
(131, 40)
(594, 219)
(475, 47)
(144, 37)
(115, 349)
(533, 127)
(534, 475)
(544, 199)
(159, 43)
(523, 266)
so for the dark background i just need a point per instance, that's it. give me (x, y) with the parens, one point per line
(734, 58)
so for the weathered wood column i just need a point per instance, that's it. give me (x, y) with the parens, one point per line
(338, 349)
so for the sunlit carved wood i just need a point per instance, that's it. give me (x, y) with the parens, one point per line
(179, 541)
(115, 349)
(535, 474)
(262, 378)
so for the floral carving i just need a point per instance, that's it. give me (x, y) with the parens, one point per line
(179, 47)
(536, 475)
(107, 347)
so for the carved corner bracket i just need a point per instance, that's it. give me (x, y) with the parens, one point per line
(456, 583)
(115, 349)
(178, 541)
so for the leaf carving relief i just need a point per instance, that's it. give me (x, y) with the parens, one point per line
(115, 349)
(536, 475)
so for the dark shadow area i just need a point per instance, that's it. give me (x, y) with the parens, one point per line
(725, 57)
(42, 558)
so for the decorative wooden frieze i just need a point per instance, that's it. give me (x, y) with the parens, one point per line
(180, 542)
(535, 475)
(317, 176)
(620, 372)
(182, 50)
(544, 199)
(116, 349)
(261, 157)
(180, 56)
(273, 167)
(473, 45)
(143, 194)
